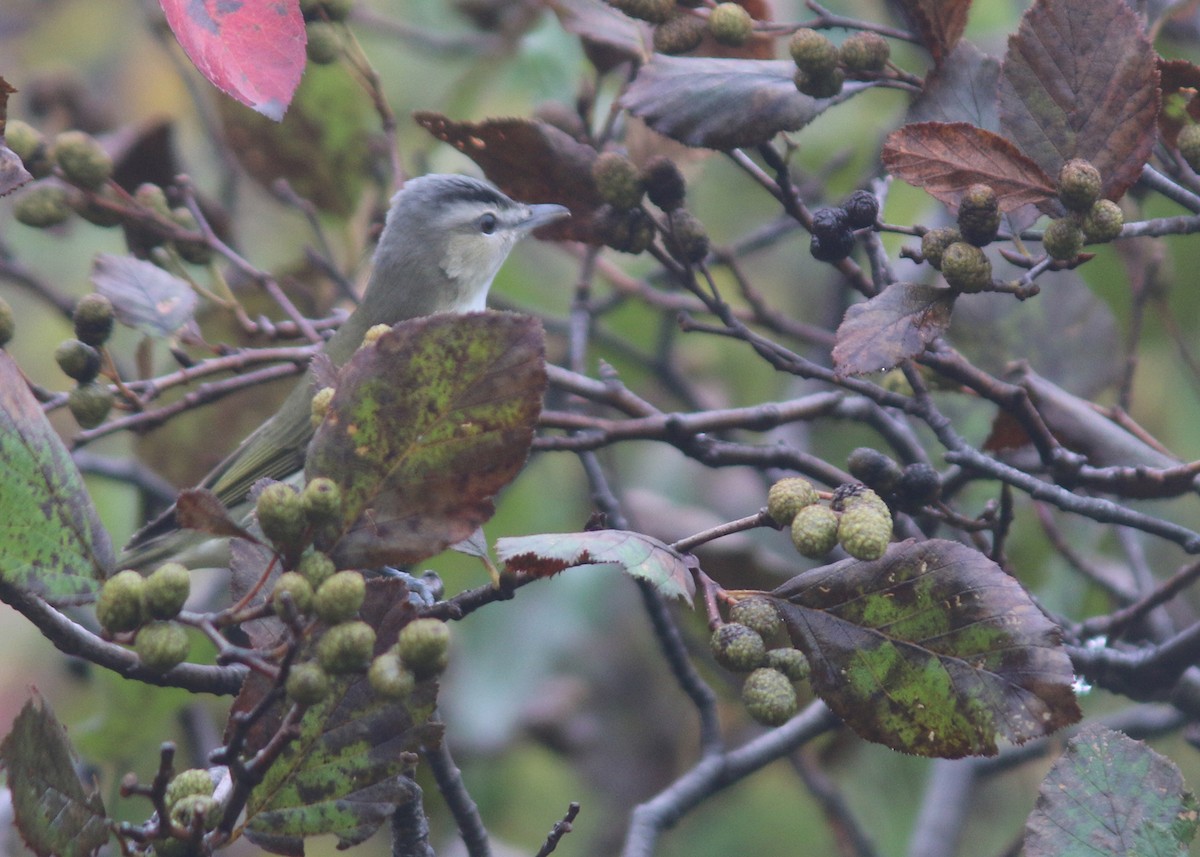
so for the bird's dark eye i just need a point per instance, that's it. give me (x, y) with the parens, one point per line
(487, 223)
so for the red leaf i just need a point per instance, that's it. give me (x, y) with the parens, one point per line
(939, 23)
(1080, 80)
(946, 158)
(253, 52)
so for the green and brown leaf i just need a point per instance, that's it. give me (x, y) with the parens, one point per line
(51, 538)
(427, 425)
(896, 324)
(931, 650)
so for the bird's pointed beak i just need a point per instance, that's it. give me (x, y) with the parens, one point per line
(544, 213)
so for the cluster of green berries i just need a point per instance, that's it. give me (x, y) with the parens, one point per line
(678, 30)
(129, 603)
(1188, 143)
(1089, 219)
(822, 67)
(313, 588)
(965, 266)
(755, 641)
(833, 228)
(190, 804)
(80, 358)
(910, 488)
(420, 653)
(85, 166)
(623, 224)
(81, 162)
(857, 518)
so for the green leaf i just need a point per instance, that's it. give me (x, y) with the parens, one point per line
(896, 324)
(639, 555)
(931, 649)
(51, 539)
(56, 812)
(143, 295)
(1080, 80)
(354, 758)
(1108, 794)
(723, 104)
(427, 425)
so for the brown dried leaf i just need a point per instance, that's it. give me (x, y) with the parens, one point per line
(1080, 80)
(531, 161)
(939, 23)
(603, 28)
(896, 324)
(945, 158)
(199, 509)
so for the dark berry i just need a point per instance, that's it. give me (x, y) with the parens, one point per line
(832, 248)
(873, 468)
(828, 222)
(861, 209)
(919, 485)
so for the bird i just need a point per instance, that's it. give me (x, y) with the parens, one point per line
(444, 239)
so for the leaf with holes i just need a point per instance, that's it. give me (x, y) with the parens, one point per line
(143, 295)
(945, 158)
(353, 759)
(931, 649)
(424, 429)
(939, 23)
(253, 52)
(51, 537)
(1109, 794)
(531, 161)
(896, 324)
(723, 103)
(1080, 80)
(55, 811)
(639, 555)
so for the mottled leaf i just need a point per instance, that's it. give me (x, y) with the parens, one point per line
(723, 103)
(931, 650)
(143, 295)
(55, 811)
(896, 324)
(200, 509)
(425, 428)
(253, 52)
(1109, 794)
(51, 540)
(642, 556)
(961, 89)
(1080, 81)
(939, 23)
(322, 147)
(944, 159)
(353, 760)
(531, 161)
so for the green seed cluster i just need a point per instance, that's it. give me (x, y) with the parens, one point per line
(129, 603)
(966, 267)
(979, 215)
(1188, 143)
(857, 518)
(822, 67)
(755, 641)
(730, 24)
(1090, 219)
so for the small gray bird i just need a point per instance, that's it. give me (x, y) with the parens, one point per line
(443, 241)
